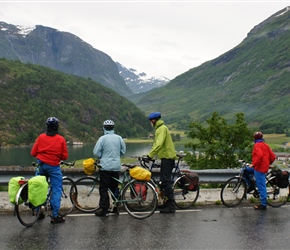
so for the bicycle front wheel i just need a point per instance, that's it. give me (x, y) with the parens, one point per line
(69, 191)
(27, 214)
(182, 195)
(87, 195)
(233, 191)
(276, 197)
(139, 199)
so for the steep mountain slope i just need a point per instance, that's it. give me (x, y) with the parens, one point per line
(60, 51)
(252, 78)
(30, 94)
(140, 82)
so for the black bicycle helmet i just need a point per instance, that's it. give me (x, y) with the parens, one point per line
(108, 125)
(258, 135)
(154, 115)
(52, 123)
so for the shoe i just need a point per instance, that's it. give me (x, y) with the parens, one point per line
(41, 216)
(56, 220)
(163, 205)
(115, 210)
(102, 213)
(260, 207)
(170, 208)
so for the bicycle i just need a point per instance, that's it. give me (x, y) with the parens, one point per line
(138, 197)
(234, 190)
(28, 214)
(185, 190)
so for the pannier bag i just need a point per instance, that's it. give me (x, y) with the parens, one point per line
(191, 182)
(282, 178)
(13, 187)
(89, 166)
(140, 191)
(37, 190)
(140, 173)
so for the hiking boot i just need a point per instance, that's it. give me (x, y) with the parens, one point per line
(56, 220)
(102, 212)
(163, 205)
(260, 207)
(41, 216)
(115, 210)
(170, 208)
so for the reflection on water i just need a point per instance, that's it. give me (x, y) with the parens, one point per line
(22, 157)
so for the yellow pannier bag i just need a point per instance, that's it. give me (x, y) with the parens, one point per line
(89, 166)
(140, 173)
(13, 187)
(37, 190)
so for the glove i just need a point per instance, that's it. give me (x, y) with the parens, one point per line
(147, 159)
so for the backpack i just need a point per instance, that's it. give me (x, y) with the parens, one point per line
(89, 166)
(282, 178)
(140, 173)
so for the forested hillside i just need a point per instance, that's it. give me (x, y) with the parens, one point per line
(30, 93)
(253, 78)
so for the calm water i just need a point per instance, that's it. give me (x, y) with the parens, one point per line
(22, 157)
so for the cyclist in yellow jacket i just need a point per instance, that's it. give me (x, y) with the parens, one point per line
(163, 147)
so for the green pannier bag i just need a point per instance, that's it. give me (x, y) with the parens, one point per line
(13, 187)
(37, 190)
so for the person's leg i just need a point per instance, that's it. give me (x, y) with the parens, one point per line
(165, 177)
(261, 184)
(105, 180)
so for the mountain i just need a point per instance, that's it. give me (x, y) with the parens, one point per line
(31, 93)
(61, 51)
(140, 82)
(252, 78)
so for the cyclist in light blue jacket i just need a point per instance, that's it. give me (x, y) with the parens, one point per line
(108, 149)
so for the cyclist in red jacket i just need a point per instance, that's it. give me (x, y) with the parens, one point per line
(262, 157)
(49, 149)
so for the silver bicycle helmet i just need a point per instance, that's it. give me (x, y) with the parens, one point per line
(108, 125)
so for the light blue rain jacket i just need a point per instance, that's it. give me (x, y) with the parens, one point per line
(108, 150)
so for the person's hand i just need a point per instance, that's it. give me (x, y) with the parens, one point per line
(147, 158)
(251, 165)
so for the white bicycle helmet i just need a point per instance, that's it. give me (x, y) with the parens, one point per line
(108, 125)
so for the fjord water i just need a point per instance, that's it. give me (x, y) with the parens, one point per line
(21, 156)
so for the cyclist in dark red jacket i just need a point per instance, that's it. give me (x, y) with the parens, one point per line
(49, 149)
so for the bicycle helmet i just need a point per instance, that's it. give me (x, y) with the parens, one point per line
(108, 125)
(154, 115)
(52, 122)
(258, 135)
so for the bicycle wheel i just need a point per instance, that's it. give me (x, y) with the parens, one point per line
(27, 214)
(139, 199)
(233, 191)
(276, 197)
(87, 196)
(69, 191)
(183, 197)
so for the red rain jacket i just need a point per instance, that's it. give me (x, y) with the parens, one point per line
(262, 157)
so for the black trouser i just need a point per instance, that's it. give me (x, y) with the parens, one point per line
(167, 166)
(106, 181)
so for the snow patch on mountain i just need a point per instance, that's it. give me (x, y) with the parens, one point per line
(139, 81)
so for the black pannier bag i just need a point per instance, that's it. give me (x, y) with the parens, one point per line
(192, 180)
(282, 178)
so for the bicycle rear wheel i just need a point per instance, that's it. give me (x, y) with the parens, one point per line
(139, 199)
(276, 197)
(233, 191)
(27, 214)
(183, 197)
(69, 191)
(87, 196)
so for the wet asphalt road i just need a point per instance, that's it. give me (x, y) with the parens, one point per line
(212, 227)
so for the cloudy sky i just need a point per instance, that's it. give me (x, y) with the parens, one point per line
(161, 38)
